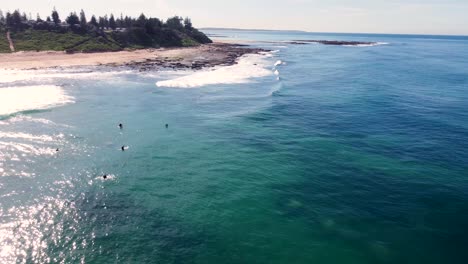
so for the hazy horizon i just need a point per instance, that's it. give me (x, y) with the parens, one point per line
(328, 32)
(341, 16)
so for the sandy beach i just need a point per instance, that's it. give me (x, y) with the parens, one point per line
(193, 57)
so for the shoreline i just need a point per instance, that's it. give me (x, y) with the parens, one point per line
(206, 55)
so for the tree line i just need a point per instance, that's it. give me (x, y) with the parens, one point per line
(18, 21)
(142, 30)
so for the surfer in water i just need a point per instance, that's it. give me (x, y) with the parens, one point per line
(120, 126)
(104, 176)
(123, 148)
(167, 125)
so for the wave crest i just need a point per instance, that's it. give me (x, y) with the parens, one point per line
(248, 67)
(23, 98)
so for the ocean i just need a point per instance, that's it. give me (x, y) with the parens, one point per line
(303, 154)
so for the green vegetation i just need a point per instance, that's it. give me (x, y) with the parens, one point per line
(95, 45)
(106, 33)
(4, 46)
(45, 40)
(187, 42)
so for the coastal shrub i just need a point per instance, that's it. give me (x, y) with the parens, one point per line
(199, 36)
(189, 42)
(120, 37)
(4, 45)
(175, 23)
(45, 40)
(139, 36)
(169, 38)
(96, 44)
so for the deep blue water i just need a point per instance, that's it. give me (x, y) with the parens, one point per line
(355, 155)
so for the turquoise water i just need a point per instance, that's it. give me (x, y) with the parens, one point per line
(355, 155)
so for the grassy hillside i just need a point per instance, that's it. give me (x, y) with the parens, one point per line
(96, 44)
(4, 46)
(42, 40)
(36, 40)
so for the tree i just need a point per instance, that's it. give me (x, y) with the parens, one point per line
(149, 28)
(72, 19)
(9, 19)
(120, 21)
(128, 22)
(83, 19)
(94, 21)
(48, 19)
(141, 21)
(152, 25)
(106, 22)
(112, 23)
(13, 20)
(102, 23)
(175, 23)
(2, 18)
(38, 18)
(55, 17)
(16, 19)
(188, 24)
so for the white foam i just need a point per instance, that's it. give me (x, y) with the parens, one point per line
(249, 67)
(10, 76)
(276, 72)
(279, 62)
(368, 45)
(88, 75)
(23, 98)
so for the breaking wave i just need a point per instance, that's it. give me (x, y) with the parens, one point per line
(248, 67)
(23, 98)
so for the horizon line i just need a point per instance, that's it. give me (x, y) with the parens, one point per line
(327, 32)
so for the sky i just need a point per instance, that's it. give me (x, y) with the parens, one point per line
(447, 17)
